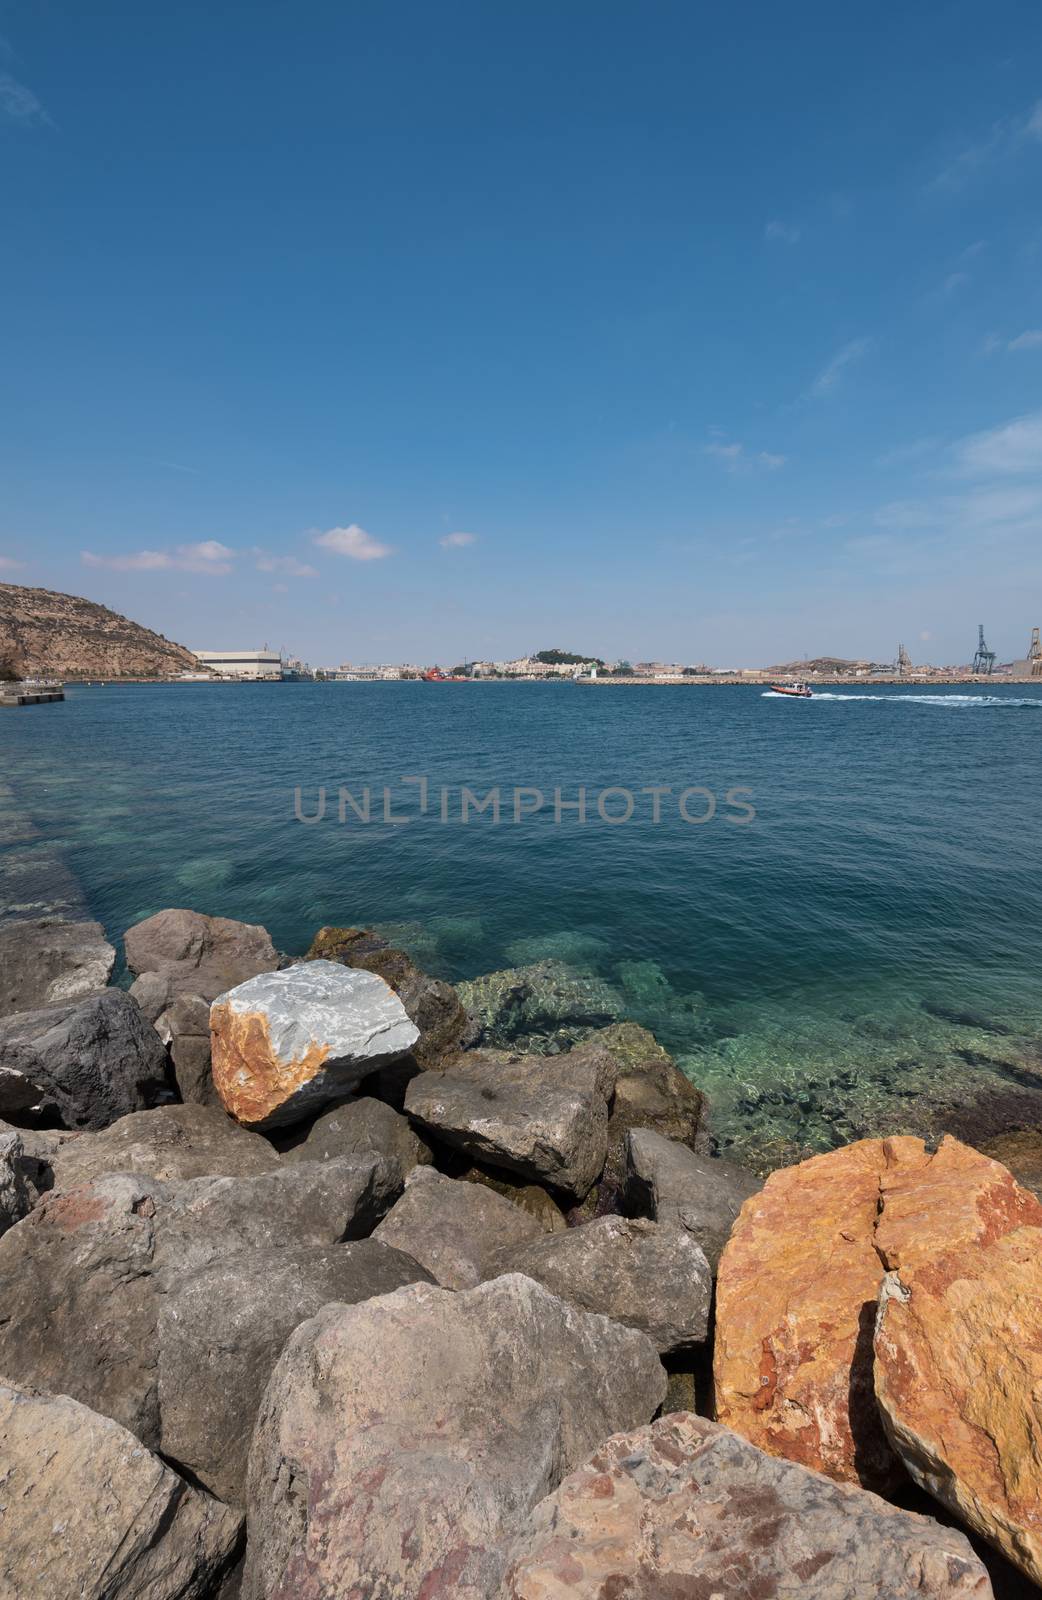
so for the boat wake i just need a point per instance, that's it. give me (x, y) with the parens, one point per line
(988, 701)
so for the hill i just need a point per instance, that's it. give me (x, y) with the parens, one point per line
(46, 634)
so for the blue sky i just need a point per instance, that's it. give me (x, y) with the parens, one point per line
(412, 331)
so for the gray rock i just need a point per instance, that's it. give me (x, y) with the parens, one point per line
(307, 1203)
(545, 1117)
(671, 1183)
(647, 1275)
(184, 1027)
(401, 1442)
(196, 954)
(17, 1194)
(82, 1065)
(287, 1043)
(83, 1277)
(222, 1330)
(458, 1231)
(687, 1508)
(361, 1125)
(169, 1142)
(87, 1514)
(51, 962)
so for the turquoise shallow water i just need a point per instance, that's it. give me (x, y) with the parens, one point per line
(864, 955)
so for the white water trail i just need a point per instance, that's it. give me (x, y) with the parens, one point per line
(951, 700)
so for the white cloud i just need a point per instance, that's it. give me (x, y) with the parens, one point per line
(734, 457)
(456, 541)
(209, 557)
(1001, 141)
(1030, 339)
(829, 375)
(1015, 447)
(20, 104)
(9, 564)
(289, 565)
(785, 232)
(354, 543)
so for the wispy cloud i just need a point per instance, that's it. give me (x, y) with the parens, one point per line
(782, 232)
(457, 541)
(829, 376)
(19, 104)
(734, 457)
(914, 450)
(288, 565)
(9, 564)
(1001, 141)
(1030, 339)
(209, 557)
(353, 542)
(1013, 448)
(953, 282)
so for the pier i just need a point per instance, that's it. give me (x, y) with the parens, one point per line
(30, 694)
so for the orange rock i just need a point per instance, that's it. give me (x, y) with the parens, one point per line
(958, 1345)
(796, 1302)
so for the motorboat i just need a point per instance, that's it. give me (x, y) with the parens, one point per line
(796, 691)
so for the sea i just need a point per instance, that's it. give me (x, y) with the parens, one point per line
(828, 911)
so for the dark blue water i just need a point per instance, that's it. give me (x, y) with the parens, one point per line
(810, 966)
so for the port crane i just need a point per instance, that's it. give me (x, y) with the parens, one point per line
(984, 660)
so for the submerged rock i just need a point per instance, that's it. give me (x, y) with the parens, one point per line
(86, 1512)
(670, 1182)
(402, 1442)
(51, 962)
(686, 1508)
(646, 1275)
(958, 1343)
(796, 1296)
(433, 1005)
(545, 1007)
(458, 1231)
(286, 1043)
(546, 1118)
(80, 1065)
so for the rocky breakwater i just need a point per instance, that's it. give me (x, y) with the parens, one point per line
(390, 1314)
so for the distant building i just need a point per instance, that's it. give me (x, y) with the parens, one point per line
(252, 665)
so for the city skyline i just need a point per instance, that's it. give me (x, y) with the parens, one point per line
(441, 332)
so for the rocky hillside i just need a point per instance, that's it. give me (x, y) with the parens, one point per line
(46, 634)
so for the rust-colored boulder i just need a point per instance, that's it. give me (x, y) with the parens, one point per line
(958, 1345)
(796, 1300)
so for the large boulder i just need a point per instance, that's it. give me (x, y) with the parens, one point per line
(796, 1297)
(647, 1275)
(83, 1277)
(170, 1142)
(650, 1092)
(403, 1441)
(434, 1006)
(544, 1117)
(672, 1183)
(80, 1065)
(50, 962)
(687, 1509)
(531, 1197)
(958, 1343)
(17, 1193)
(356, 1126)
(86, 1512)
(458, 1231)
(287, 1043)
(222, 1330)
(197, 954)
(542, 1008)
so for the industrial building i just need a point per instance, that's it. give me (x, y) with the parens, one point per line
(1031, 666)
(246, 665)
